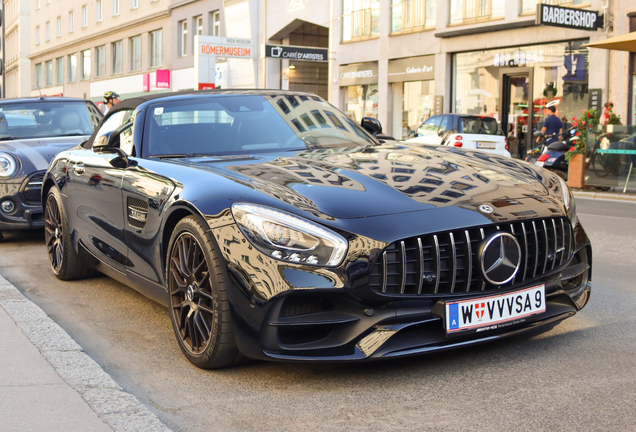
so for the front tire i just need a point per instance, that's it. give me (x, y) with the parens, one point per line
(65, 262)
(198, 305)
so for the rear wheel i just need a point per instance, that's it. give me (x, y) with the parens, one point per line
(65, 263)
(199, 307)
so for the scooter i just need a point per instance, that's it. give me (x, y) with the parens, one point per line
(553, 155)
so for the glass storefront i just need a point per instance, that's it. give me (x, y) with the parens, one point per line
(361, 101)
(515, 85)
(417, 106)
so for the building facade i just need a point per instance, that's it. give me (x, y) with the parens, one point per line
(17, 66)
(85, 48)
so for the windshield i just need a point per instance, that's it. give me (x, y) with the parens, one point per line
(479, 125)
(237, 124)
(47, 119)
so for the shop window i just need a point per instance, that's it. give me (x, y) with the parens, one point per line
(530, 6)
(462, 11)
(409, 14)
(418, 103)
(362, 101)
(360, 19)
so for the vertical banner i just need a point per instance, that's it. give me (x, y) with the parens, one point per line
(439, 105)
(596, 99)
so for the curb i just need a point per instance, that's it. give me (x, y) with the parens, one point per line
(114, 406)
(605, 196)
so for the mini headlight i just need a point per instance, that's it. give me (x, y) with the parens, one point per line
(290, 238)
(8, 165)
(568, 199)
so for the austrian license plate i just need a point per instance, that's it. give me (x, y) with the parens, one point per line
(494, 312)
(486, 145)
(540, 163)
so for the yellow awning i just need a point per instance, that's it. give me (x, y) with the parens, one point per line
(626, 42)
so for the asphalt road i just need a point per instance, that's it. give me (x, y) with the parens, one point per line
(579, 376)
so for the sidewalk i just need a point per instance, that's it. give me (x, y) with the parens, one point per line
(616, 194)
(47, 383)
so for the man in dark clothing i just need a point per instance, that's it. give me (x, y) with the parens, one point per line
(551, 126)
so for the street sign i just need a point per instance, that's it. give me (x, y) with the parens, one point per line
(288, 52)
(211, 47)
(576, 19)
(439, 105)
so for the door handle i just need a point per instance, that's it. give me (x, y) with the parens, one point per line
(78, 168)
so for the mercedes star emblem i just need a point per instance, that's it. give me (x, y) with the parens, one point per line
(484, 208)
(500, 258)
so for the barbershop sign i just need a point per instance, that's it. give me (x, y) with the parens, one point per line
(576, 19)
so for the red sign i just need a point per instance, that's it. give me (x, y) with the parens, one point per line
(206, 86)
(163, 78)
(146, 86)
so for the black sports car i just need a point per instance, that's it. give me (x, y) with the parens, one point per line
(32, 131)
(272, 226)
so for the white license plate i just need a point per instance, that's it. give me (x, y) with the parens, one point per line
(540, 163)
(491, 313)
(486, 145)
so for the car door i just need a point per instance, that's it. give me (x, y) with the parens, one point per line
(94, 199)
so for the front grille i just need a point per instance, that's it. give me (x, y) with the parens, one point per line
(32, 188)
(448, 262)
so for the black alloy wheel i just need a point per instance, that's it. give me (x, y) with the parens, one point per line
(199, 307)
(53, 233)
(191, 293)
(65, 262)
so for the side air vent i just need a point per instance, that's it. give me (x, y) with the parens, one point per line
(137, 212)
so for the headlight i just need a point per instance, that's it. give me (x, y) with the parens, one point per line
(568, 199)
(8, 165)
(287, 237)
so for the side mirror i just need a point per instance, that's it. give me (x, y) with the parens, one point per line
(371, 125)
(110, 141)
(100, 145)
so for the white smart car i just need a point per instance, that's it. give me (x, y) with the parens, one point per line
(465, 131)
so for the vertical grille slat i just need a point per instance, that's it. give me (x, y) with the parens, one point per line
(421, 252)
(453, 269)
(448, 262)
(469, 249)
(435, 239)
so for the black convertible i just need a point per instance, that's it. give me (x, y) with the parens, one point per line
(272, 226)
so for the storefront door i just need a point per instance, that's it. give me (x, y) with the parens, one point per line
(517, 109)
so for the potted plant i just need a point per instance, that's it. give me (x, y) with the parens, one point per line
(576, 156)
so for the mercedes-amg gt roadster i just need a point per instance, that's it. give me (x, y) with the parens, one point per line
(273, 226)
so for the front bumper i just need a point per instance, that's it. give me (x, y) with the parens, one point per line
(25, 195)
(340, 325)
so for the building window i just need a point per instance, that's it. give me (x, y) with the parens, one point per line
(59, 71)
(197, 24)
(183, 39)
(408, 14)
(528, 6)
(115, 7)
(71, 25)
(216, 23)
(48, 67)
(48, 1)
(360, 19)
(84, 16)
(100, 61)
(98, 8)
(47, 31)
(470, 10)
(135, 53)
(86, 64)
(38, 75)
(37, 35)
(59, 26)
(72, 68)
(134, 4)
(116, 48)
(156, 52)
(37, 4)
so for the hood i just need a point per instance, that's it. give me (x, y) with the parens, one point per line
(35, 154)
(377, 180)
